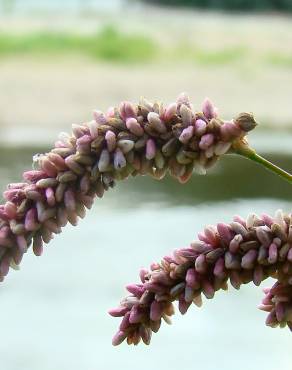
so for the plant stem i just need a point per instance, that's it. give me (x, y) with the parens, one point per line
(242, 148)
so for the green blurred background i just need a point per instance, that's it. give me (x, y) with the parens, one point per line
(59, 60)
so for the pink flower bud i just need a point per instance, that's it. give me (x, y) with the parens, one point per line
(10, 209)
(69, 200)
(34, 176)
(273, 253)
(127, 110)
(30, 222)
(50, 196)
(150, 149)
(134, 127)
(186, 134)
(99, 117)
(209, 109)
(206, 141)
(104, 161)
(200, 127)
(119, 338)
(156, 311)
(111, 141)
(156, 123)
(118, 312)
(170, 111)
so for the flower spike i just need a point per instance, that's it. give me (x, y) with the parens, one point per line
(240, 252)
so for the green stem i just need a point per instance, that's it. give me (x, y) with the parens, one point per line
(241, 147)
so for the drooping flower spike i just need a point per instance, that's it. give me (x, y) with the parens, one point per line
(146, 138)
(149, 139)
(240, 252)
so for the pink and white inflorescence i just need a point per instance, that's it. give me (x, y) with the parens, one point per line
(144, 138)
(149, 139)
(240, 252)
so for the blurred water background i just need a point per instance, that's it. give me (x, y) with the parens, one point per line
(60, 60)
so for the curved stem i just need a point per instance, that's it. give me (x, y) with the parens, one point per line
(242, 148)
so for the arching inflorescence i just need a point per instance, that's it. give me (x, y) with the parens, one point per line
(139, 139)
(240, 252)
(129, 140)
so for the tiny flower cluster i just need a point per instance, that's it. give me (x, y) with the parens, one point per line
(129, 140)
(240, 252)
(278, 302)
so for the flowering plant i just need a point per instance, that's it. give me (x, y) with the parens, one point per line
(148, 138)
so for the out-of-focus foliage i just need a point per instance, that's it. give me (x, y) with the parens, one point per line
(108, 44)
(112, 45)
(242, 5)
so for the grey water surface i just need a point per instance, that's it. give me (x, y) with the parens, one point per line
(54, 310)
